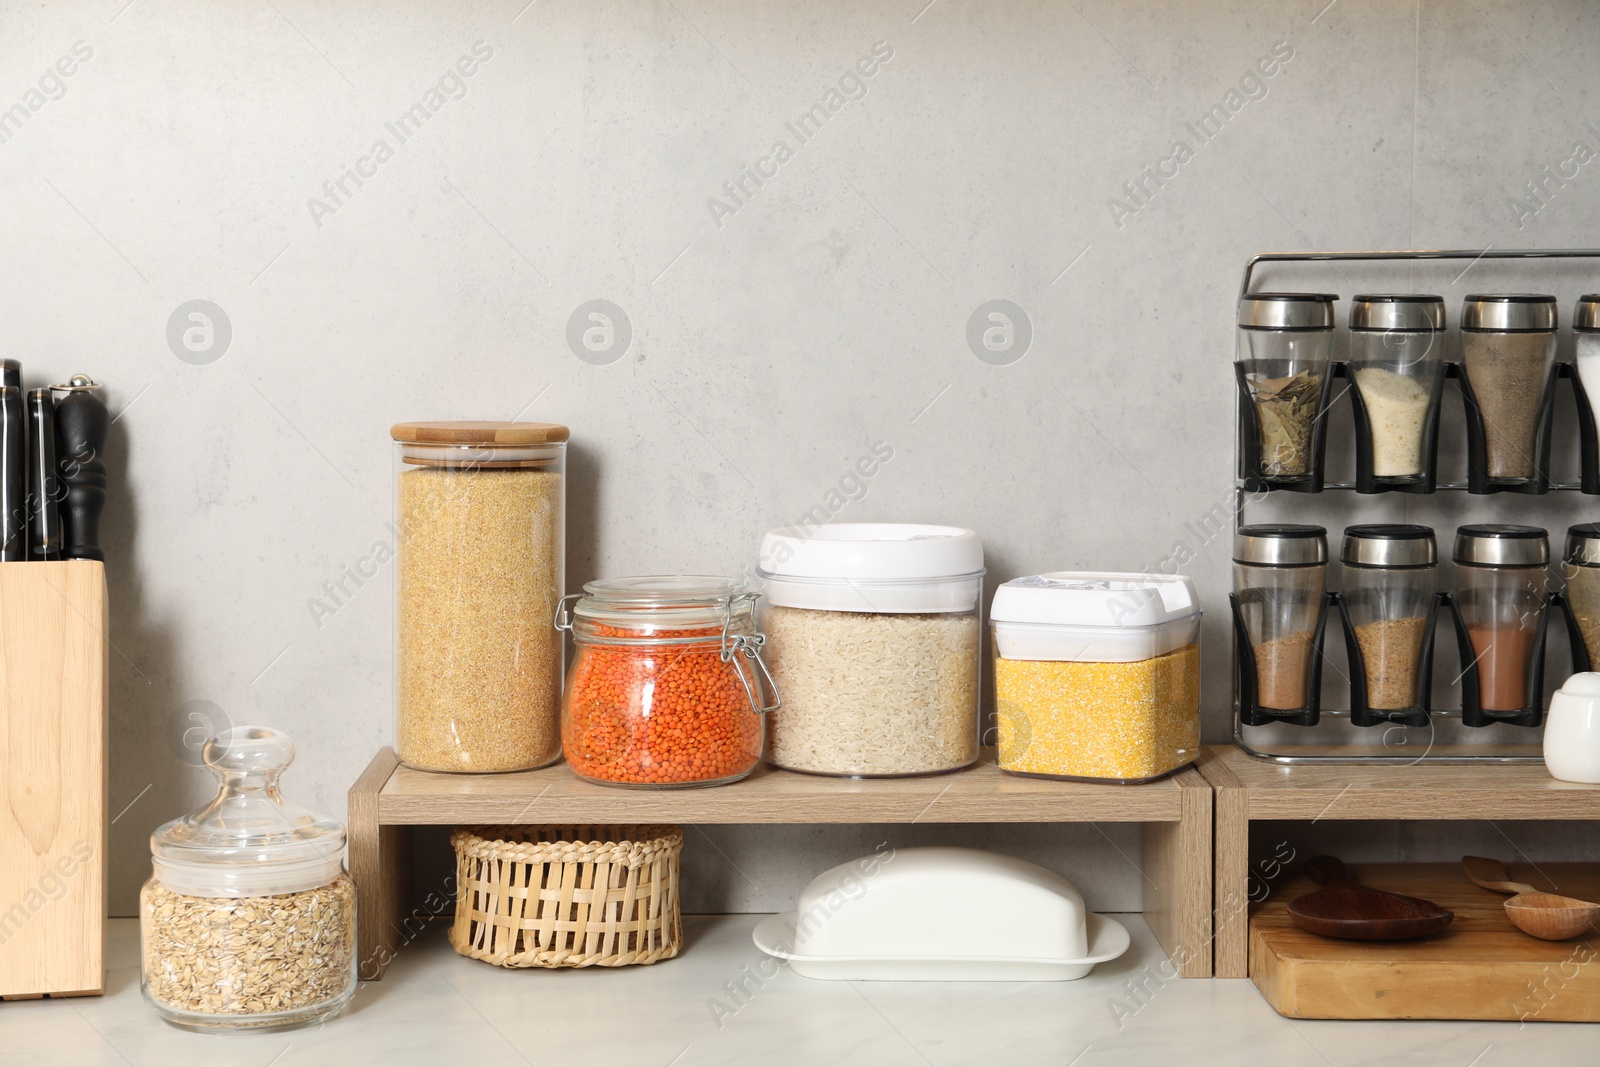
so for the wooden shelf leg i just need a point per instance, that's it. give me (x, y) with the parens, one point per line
(1177, 885)
(1232, 860)
(378, 866)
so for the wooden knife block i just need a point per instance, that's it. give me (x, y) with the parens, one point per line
(53, 822)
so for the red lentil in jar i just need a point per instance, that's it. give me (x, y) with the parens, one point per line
(666, 685)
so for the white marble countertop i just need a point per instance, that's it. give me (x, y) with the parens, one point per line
(438, 1008)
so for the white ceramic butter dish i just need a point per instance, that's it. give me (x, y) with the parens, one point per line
(943, 915)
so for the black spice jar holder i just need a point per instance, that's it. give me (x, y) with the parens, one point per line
(1588, 444)
(1253, 724)
(1251, 471)
(1251, 713)
(1361, 711)
(1254, 480)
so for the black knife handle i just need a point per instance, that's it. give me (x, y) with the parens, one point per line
(81, 424)
(44, 487)
(13, 476)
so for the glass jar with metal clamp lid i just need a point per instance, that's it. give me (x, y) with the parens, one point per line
(667, 685)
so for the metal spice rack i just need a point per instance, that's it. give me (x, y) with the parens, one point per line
(1438, 735)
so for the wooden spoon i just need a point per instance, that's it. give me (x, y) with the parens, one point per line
(1544, 915)
(1344, 909)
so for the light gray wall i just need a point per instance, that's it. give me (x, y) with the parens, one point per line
(768, 352)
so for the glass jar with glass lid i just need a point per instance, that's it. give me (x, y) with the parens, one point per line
(1397, 365)
(248, 921)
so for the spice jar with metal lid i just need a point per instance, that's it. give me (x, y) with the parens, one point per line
(1397, 365)
(1388, 598)
(248, 921)
(667, 686)
(874, 639)
(1508, 350)
(1500, 602)
(1581, 571)
(1279, 581)
(480, 520)
(1283, 367)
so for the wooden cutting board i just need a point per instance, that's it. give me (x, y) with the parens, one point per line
(1481, 967)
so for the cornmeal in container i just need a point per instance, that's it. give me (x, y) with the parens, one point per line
(1097, 675)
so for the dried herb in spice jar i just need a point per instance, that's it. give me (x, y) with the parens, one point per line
(1286, 409)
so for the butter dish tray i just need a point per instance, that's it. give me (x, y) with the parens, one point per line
(1108, 939)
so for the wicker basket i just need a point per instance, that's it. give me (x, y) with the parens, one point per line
(567, 896)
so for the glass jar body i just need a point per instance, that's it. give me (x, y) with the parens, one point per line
(1502, 609)
(481, 544)
(660, 708)
(1398, 374)
(1583, 599)
(1281, 607)
(1287, 372)
(221, 963)
(1390, 610)
(1510, 373)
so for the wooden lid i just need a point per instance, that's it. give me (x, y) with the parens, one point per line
(479, 433)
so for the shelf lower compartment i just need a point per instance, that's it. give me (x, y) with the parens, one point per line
(1479, 967)
(1176, 811)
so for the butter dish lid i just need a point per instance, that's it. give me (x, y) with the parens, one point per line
(248, 841)
(1095, 599)
(899, 904)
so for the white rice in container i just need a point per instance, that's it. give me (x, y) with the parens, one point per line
(872, 694)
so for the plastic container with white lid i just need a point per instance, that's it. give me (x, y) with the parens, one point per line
(1097, 675)
(248, 921)
(873, 639)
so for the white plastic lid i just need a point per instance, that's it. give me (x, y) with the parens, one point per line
(873, 567)
(1090, 616)
(248, 842)
(1095, 599)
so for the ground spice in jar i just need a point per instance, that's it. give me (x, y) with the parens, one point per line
(1391, 652)
(1283, 682)
(1508, 373)
(1502, 655)
(659, 714)
(479, 685)
(1119, 721)
(1583, 598)
(1397, 411)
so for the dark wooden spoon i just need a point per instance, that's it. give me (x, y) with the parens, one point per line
(1344, 909)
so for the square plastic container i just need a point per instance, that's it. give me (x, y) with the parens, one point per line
(1097, 675)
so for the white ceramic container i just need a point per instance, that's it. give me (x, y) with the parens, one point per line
(1572, 730)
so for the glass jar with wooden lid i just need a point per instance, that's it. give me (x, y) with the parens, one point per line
(480, 519)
